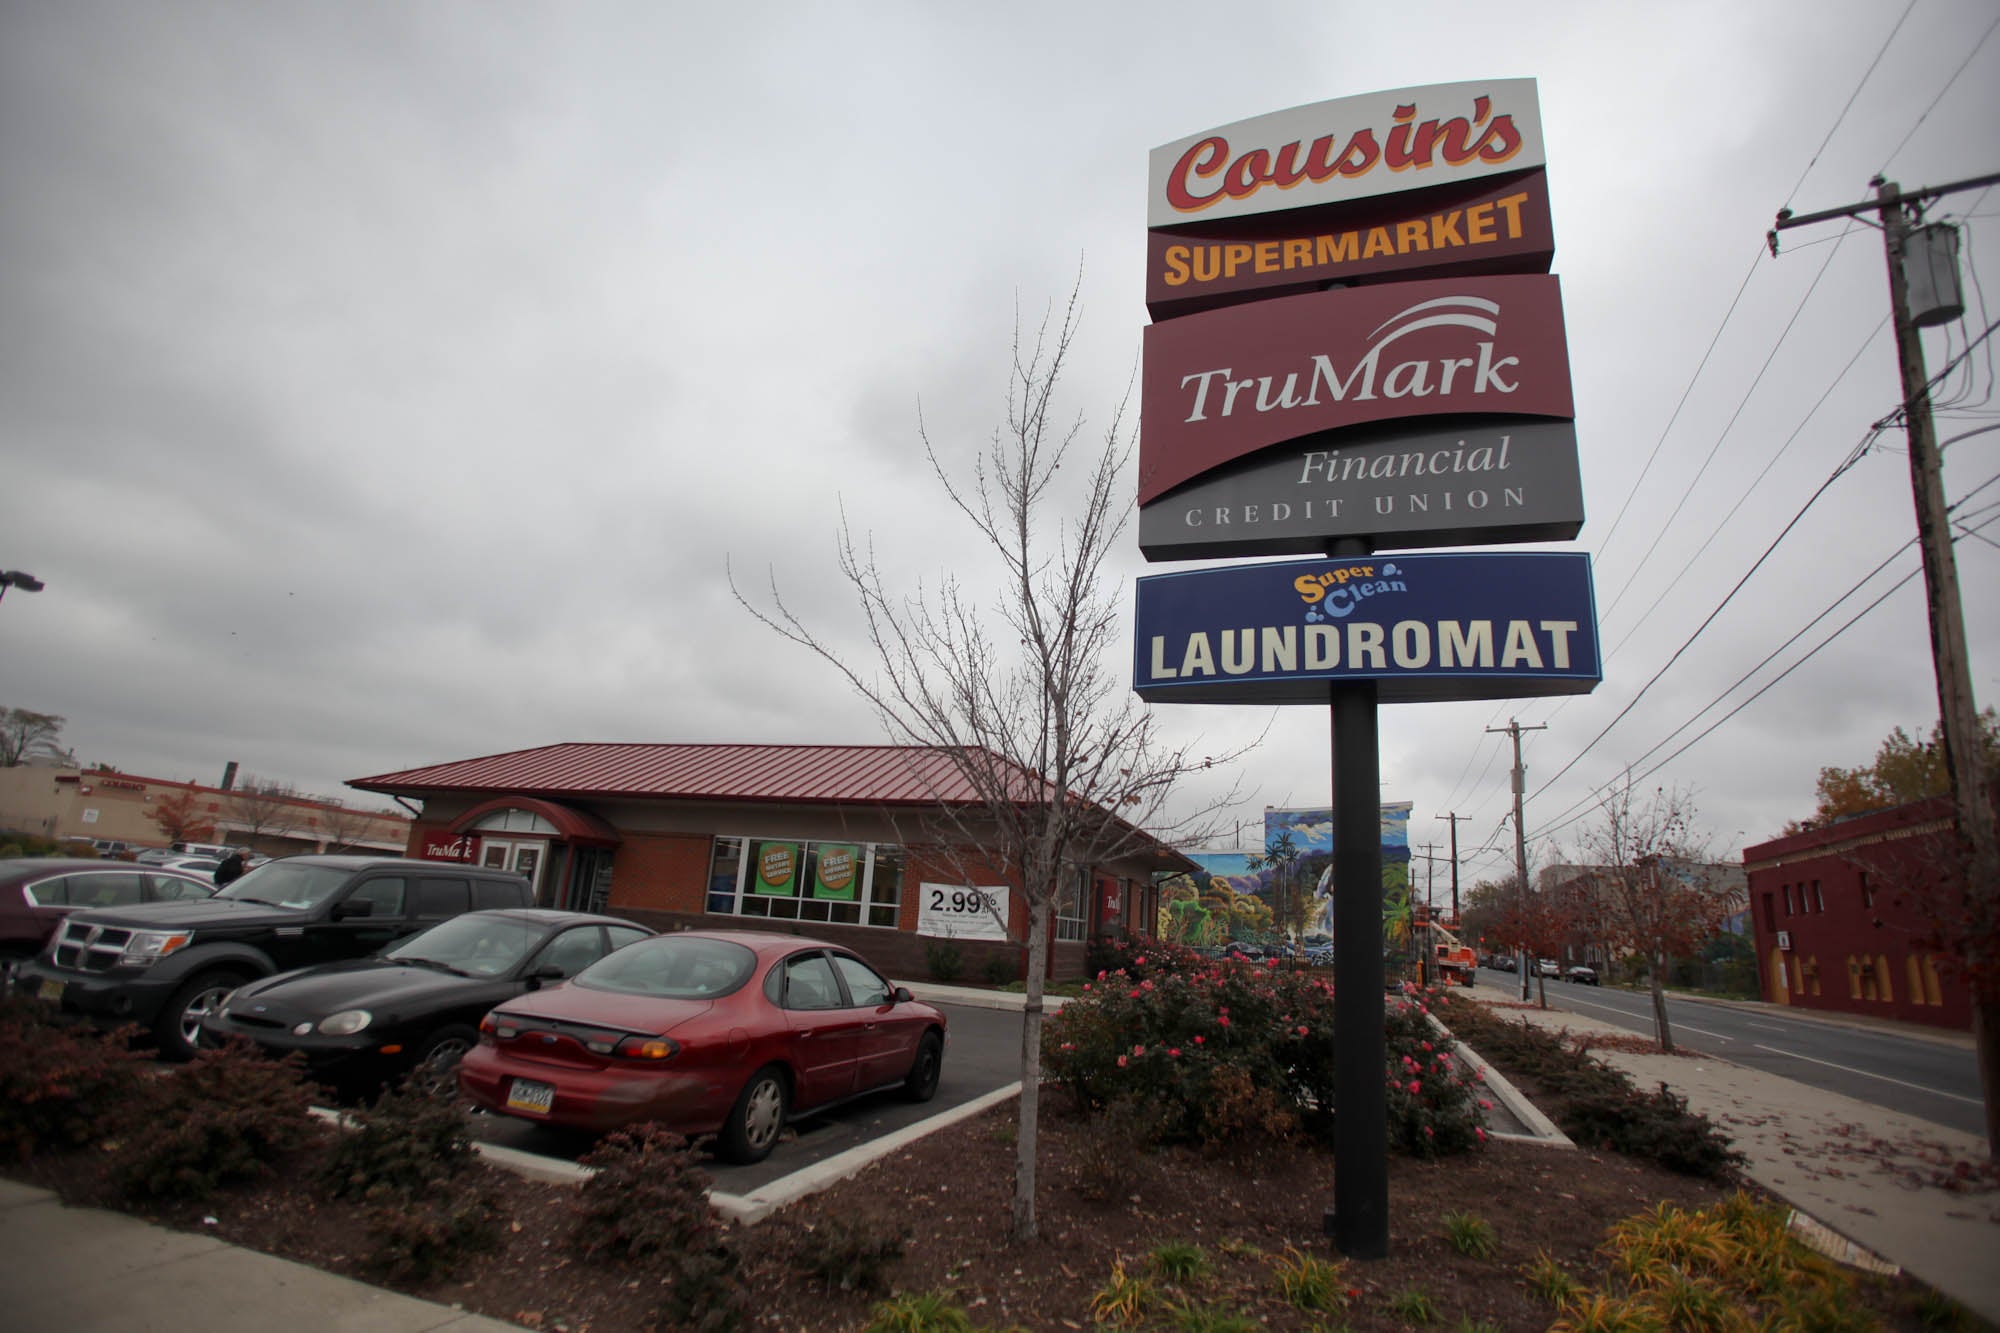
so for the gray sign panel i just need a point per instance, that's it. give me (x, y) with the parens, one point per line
(1401, 487)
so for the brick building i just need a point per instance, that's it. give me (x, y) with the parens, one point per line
(842, 842)
(1837, 920)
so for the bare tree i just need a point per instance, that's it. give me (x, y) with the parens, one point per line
(339, 825)
(27, 736)
(1648, 884)
(260, 808)
(1025, 702)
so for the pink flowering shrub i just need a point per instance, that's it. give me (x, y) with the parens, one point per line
(1220, 1050)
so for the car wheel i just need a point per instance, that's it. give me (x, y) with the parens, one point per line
(922, 1084)
(435, 1073)
(178, 1031)
(756, 1120)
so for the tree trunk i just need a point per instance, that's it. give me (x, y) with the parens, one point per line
(1031, 1072)
(1660, 1025)
(1986, 1041)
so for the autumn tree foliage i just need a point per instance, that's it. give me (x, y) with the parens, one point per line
(183, 817)
(1540, 921)
(1648, 885)
(1905, 770)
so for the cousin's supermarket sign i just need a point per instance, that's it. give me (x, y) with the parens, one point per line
(1425, 628)
(1347, 149)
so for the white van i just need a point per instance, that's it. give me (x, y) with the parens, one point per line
(216, 850)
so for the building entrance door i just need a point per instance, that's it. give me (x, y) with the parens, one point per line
(524, 857)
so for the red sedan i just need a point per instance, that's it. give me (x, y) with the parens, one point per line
(730, 1033)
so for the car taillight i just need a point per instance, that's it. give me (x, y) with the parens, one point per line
(650, 1049)
(489, 1026)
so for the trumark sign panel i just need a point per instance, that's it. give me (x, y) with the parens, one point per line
(1352, 148)
(1223, 384)
(1425, 628)
(1402, 486)
(1499, 225)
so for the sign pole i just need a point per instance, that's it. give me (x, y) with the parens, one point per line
(1361, 1122)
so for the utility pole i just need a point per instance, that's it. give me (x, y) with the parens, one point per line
(1958, 715)
(1522, 964)
(1454, 817)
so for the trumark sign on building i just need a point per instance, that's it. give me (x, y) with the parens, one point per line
(1220, 385)
(1425, 628)
(1405, 486)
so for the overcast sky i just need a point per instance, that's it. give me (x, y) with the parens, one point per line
(387, 384)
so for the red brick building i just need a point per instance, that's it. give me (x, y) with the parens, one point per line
(1837, 917)
(839, 841)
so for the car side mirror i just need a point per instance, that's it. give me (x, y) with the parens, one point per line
(353, 907)
(901, 995)
(546, 973)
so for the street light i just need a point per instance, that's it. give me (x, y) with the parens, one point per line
(18, 578)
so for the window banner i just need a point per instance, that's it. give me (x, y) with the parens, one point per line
(961, 912)
(838, 871)
(777, 872)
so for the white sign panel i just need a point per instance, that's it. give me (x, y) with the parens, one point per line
(1352, 148)
(961, 912)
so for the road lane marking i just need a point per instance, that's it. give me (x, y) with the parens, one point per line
(1768, 1027)
(1849, 1069)
(1647, 1020)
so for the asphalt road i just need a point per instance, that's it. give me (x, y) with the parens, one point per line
(982, 1053)
(1934, 1078)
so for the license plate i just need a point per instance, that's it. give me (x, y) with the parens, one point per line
(51, 992)
(526, 1095)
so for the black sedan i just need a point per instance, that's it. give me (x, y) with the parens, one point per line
(414, 1009)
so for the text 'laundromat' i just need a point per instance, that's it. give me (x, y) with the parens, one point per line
(1409, 645)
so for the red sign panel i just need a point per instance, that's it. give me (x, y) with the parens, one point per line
(1223, 384)
(1491, 226)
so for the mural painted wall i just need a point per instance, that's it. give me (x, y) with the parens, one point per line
(1243, 890)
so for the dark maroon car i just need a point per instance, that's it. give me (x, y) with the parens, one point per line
(36, 893)
(729, 1033)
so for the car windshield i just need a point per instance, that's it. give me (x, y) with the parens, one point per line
(680, 967)
(288, 884)
(477, 945)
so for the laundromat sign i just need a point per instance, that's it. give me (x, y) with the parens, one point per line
(1425, 628)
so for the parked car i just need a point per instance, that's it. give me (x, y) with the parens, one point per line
(36, 893)
(1586, 976)
(1548, 967)
(165, 965)
(1504, 962)
(194, 865)
(415, 1008)
(153, 856)
(724, 1033)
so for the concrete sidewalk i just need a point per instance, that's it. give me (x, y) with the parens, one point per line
(87, 1269)
(1879, 1178)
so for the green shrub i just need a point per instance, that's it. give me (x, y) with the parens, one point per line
(225, 1117)
(417, 1238)
(1656, 1126)
(1230, 1049)
(407, 1143)
(62, 1087)
(1000, 970)
(851, 1255)
(647, 1204)
(1471, 1235)
(945, 960)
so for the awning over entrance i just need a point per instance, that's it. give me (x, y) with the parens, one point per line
(577, 827)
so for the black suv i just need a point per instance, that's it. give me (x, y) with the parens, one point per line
(165, 966)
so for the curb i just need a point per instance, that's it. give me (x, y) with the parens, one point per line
(1543, 1130)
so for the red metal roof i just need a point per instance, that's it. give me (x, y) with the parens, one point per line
(875, 774)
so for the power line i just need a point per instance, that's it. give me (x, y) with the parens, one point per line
(1835, 127)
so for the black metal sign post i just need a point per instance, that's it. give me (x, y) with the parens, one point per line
(1361, 1129)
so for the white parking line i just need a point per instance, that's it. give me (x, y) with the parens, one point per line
(1768, 1027)
(1647, 1019)
(1849, 1069)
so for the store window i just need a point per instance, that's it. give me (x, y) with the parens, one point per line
(845, 883)
(1070, 905)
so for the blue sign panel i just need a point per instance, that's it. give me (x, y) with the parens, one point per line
(1426, 628)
